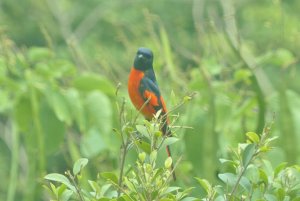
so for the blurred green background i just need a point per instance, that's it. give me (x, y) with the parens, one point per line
(61, 60)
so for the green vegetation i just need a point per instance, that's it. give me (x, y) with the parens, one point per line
(62, 62)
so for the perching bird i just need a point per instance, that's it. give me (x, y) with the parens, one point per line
(142, 87)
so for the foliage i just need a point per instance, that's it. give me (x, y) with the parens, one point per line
(61, 60)
(250, 178)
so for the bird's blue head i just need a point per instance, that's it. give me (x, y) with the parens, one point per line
(143, 59)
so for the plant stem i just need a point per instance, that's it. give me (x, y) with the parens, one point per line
(244, 168)
(76, 186)
(124, 152)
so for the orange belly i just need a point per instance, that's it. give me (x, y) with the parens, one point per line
(138, 101)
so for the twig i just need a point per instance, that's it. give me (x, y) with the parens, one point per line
(124, 152)
(75, 185)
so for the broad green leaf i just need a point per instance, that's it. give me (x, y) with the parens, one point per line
(61, 179)
(205, 184)
(171, 189)
(54, 129)
(99, 112)
(253, 137)
(279, 168)
(248, 154)
(263, 177)
(79, 165)
(66, 195)
(228, 162)
(89, 82)
(228, 178)
(169, 141)
(145, 146)
(92, 143)
(129, 184)
(39, 53)
(94, 185)
(59, 105)
(110, 176)
(252, 173)
(280, 194)
(105, 189)
(231, 180)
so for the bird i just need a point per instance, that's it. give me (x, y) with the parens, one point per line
(145, 94)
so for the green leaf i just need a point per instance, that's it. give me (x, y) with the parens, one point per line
(59, 105)
(92, 143)
(129, 184)
(39, 53)
(61, 179)
(270, 197)
(79, 165)
(248, 154)
(145, 146)
(228, 178)
(99, 112)
(252, 173)
(110, 176)
(142, 156)
(94, 185)
(169, 141)
(123, 198)
(279, 168)
(89, 82)
(53, 128)
(280, 194)
(242, 75)
(190, 199)
(228, 162)
(168, 162)
(205, 184)
(105, 189)
(231, 180)
(253, 137)
(171, 189)
(263, 177)
(66, 195)
(142, 130)
(153, 156)
(283, 57)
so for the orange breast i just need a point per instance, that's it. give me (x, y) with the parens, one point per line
(136, 97)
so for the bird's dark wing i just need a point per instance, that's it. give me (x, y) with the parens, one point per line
(149, 90)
